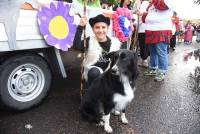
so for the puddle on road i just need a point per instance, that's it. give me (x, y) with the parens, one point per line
(193, 58)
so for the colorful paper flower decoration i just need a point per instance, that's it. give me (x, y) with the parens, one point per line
(122, 23)
(56, 25)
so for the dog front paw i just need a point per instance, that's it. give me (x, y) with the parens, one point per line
(108, 129)
(124, 120)
(115, 112)
(101, 123)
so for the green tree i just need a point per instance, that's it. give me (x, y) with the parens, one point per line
(197, 1)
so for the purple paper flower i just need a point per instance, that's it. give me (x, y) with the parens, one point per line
(57, 26)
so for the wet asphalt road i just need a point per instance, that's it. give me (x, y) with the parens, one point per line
(168, 107)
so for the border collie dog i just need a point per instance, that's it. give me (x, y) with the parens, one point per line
(111, 91)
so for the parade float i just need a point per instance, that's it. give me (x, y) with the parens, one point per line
(27, 62)
(31, 39)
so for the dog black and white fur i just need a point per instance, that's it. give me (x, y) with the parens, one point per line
(112, 91)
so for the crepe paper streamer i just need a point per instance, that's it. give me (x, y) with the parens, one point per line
(122, 24)
(56, 25)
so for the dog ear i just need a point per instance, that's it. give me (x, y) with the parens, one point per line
(122, 55)
(110, 55)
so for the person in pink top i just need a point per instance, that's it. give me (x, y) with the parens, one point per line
(188, 33)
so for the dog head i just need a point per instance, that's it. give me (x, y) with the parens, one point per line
(124, 62)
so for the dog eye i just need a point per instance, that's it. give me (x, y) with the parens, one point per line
(122, 55)
(115, 57)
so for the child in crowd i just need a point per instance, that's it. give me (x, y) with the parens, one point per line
(175, 21)
(105, 4)
(181, 32)
(188, 33)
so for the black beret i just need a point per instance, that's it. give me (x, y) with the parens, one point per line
(99, 18)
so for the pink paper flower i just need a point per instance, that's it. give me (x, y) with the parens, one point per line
(122, 23)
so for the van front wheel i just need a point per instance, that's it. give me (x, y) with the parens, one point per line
(24, 81)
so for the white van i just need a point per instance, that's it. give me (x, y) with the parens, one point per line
(26, 68)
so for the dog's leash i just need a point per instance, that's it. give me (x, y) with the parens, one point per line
(134, 39)
(83, 54)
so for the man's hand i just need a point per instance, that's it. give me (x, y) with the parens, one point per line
(83, 21)
(139, 13)
(27, 6)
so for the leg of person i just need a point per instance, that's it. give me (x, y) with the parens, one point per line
(173, 42)
(161, 49)
(153, 61)
(146, 54)
(198, 37)
(140, 45)
(181, 37)
(178, 36)
(185, 37)
(93, 73)
(175, 37)
(143, 50)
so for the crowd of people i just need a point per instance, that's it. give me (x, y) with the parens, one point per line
(184, 32)
(159, 30)
(154, 39)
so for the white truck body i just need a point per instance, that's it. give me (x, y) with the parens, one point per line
(27, 32)
(26, 71)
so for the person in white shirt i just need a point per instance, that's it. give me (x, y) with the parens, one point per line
(34, 4)
(144, 49)
(158, 32)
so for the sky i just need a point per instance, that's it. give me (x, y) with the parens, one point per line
(186, 9)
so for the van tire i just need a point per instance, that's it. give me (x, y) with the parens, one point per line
(25, 81)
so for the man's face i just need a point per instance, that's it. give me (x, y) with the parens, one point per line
(92, 0)
(100, 30)
(127, 2)
(104, 6)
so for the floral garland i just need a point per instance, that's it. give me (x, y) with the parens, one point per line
(122, 23)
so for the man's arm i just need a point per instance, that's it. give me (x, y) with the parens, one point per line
(78, 44)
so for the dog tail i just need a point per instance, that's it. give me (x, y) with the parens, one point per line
(90, 112)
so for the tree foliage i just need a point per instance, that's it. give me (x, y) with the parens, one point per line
(197, 1)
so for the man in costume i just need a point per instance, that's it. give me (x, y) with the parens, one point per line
(97, 46)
